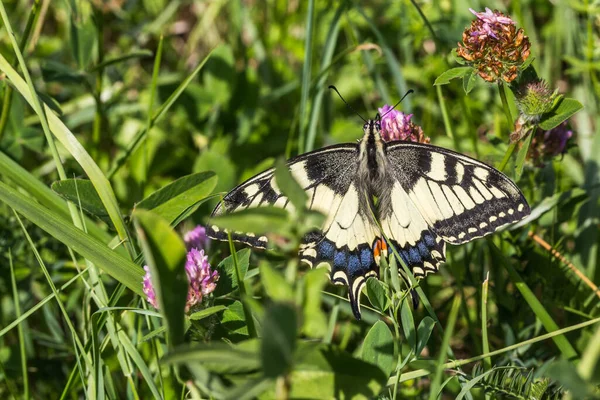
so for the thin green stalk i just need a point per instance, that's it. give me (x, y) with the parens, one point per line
(440, 366)
(7, 100)
(447, 124)
(561, 341)
(242, 288)
(509, 152)
(99, 115)
(485, 344)
(407, 376)
(153, 85)
(120, 161)
(40, 112)
(39, 305)
(509, 118)
(17, 306)
(306, 71)
(61, 305)
(333, 316)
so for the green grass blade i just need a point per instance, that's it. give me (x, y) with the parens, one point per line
(561, 341)
(443, 350)
(70, 142)
(306, 73)
(17, 305)
(320, 86)
(157, 116)
(120, 268)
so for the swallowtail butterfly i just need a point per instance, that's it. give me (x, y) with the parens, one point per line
(427, 196)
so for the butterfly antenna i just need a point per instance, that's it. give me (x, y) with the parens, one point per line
(345, 102)
(396, 105)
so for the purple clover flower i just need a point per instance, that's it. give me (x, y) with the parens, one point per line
(149, 288)
(196, 238)
(555, 140)
(396, 125)
(202, 280)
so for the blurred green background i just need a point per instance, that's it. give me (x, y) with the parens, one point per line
(263, 95)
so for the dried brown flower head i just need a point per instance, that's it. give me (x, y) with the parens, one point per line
(494, 46)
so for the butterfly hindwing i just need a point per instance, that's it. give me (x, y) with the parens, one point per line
(460, 198)
(345, 244)
(420, 248)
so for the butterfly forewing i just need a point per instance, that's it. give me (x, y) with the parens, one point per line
(460, 198)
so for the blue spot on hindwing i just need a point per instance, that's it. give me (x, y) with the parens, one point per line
(353, 264)
(366, 258)
(339, 259)
(326, 250)
(413, 255)
(423, 249)
(429, 240)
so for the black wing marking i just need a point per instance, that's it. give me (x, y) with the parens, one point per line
(330, 168)
(460, 198)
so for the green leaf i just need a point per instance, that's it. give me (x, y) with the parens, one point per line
(119, 267)
(289, 186)
(378, 348)
(207, 312)
(279, 339)
(450, 74)
(81, 191)
(54, 71)
(326, 372)
(275, 284)
(256, 220)
(217, 357)
(522, 154)
(377, 294)
(165, 254)
(565, 109)
(565, 372)
(423, 333)
(180, 195)
(408, 324)
(227, 277)
(469, 81)
(314, 321)
(548, 204)
(234, 320)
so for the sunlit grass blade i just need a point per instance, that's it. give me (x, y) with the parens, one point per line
(561, 341)
(407, 376)
(122, 269)
(306, 73)
(485, 345)
(320, 87)
(17, 306)
(120, 160)
(70, 142)
(443, 350)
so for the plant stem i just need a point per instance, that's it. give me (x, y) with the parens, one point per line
(242, 289)
(561, 341)
(7, 100)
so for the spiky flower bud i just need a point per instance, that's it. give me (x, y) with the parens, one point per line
(534, 99)
(494, 46)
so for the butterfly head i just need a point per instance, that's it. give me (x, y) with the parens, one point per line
(372, 126)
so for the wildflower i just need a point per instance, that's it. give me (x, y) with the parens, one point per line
(534, 99)
(395, 125)
(196, 238)
(548, 144)
(149, 288)
(493, 46)
(202, 280)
